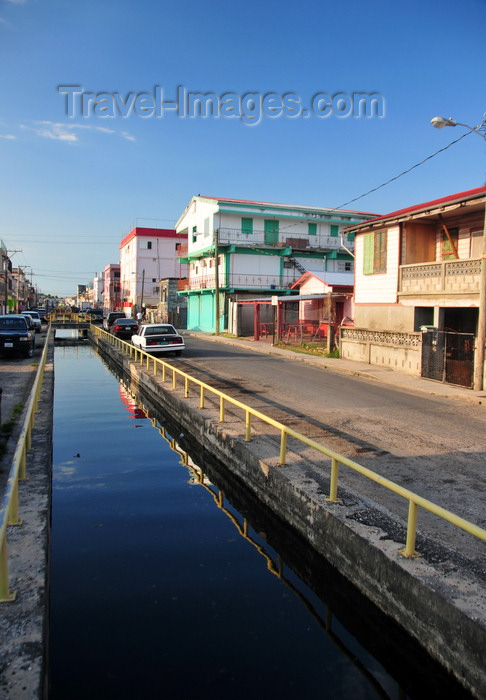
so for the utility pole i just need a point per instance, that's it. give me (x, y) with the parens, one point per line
(143, 284)
(481, 333)
(216, 281)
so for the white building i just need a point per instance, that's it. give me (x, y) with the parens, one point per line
(260, 248)
(148, 255)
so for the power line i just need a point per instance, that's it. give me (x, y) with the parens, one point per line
(392, 179)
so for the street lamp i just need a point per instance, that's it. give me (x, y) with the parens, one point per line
(440, 123)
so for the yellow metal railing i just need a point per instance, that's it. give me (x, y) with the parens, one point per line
(66, 317)
(170, 373)
(9, 513)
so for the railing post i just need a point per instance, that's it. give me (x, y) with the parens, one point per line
(221, 409)
(186, 387)
(174, 379)
(13, 508)
(409, 550)
(283, 446)
(333, 486)
(23, 462)
(247, 426)
(201, 397)
(5, 595)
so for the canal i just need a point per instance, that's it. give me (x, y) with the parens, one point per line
(169, 582)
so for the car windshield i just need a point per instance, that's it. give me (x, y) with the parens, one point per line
(160, 330)
(13, 324)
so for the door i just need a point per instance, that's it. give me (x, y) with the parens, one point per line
(270, 228)
(448, 357)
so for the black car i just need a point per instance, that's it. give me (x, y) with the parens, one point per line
(124, 328)
(16, 337)
(94, 315)
(111, 318)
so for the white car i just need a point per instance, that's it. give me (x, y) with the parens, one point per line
(158, 337)
(35, 318)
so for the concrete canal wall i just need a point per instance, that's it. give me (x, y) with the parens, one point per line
(440, 605)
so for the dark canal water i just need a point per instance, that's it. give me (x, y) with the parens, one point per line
(155, 593)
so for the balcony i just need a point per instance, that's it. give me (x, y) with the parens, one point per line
(236, 281)
(440, 277)
(284, 238)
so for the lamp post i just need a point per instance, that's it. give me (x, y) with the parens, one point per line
(440, 123)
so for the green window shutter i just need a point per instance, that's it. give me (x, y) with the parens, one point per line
(312, 229)
(334, 230)
(351, 237)
(246, 224)
(368, 247)
(380, 252)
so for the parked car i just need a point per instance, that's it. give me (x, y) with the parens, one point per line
(35, 318)
(158, 337)
(94, 315)
(111, 317)
(42, 314)
(15, 335)
(124, 328)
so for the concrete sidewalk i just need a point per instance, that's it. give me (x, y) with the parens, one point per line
(397, 378)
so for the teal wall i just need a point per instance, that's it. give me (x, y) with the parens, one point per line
(200, 312)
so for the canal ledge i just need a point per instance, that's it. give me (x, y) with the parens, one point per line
(439, 605)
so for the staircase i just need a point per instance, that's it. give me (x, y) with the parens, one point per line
(297, 264)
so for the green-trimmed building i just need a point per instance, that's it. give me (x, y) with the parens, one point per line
(261, 249)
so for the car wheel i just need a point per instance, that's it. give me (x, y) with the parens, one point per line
(30, 351)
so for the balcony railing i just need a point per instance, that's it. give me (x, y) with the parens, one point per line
(240, 281)
(442, 276)
(284, 238)
(290, 239)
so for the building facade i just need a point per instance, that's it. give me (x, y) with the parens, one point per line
(148, 255)
(419, 270)
(111, 288)
(239, 249)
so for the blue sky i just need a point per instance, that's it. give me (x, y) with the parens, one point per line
(71, 186)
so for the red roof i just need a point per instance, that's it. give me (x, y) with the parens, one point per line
(434, 203)
(153, 233)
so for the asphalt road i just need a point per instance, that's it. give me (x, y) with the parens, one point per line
(431, 445)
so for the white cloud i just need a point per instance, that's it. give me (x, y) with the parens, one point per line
(127, 136)
(68, 132)
(9, 137)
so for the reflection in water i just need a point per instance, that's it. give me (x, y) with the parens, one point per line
(276, 568)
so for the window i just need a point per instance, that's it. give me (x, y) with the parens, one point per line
(246, 225)
(449, 247)
(194, 234)
(312, 229)
(146, 245)
(476, 244)
(334, 230)
(374, 254)
(206, 226)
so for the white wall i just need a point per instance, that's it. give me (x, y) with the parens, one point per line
(378, 288)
